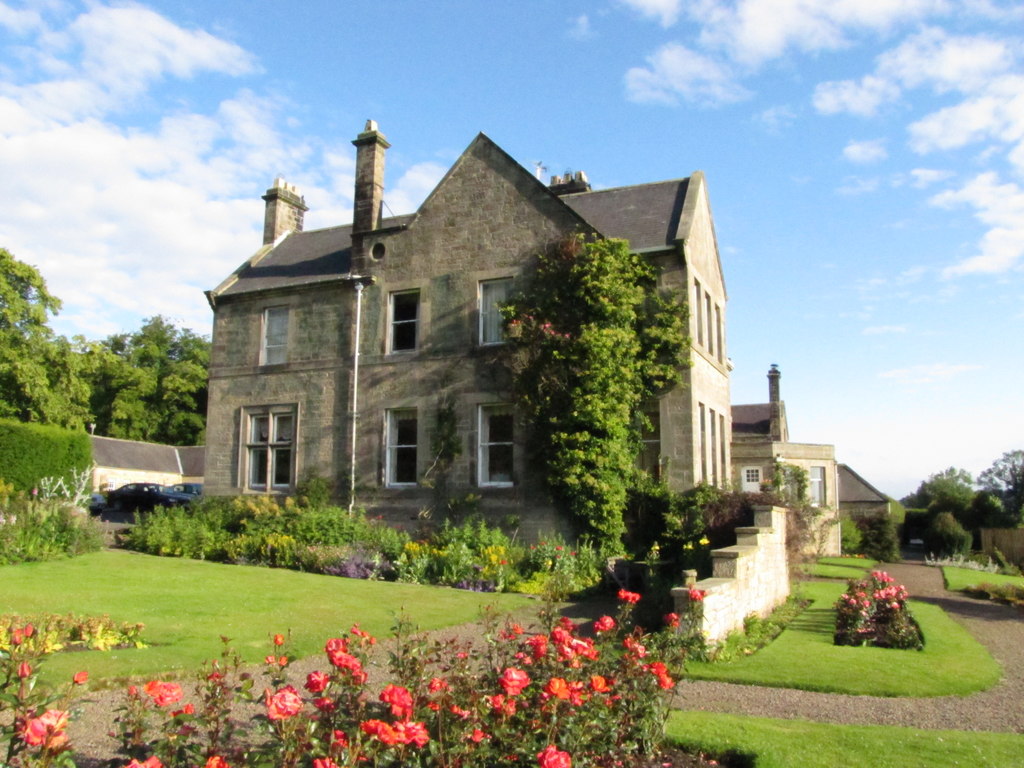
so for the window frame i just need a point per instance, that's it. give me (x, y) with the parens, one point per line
(269, 352)
(816, 486)
(395, 452)
(485, 445)
(491, 313)
(266, 452)
(395, 325)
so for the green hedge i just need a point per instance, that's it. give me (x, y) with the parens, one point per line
(30, 452)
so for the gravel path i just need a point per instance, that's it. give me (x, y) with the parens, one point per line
(1001, 708)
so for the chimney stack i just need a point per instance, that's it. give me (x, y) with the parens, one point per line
(570, 183)
(369, 196)
(775, 403)
(285, 210)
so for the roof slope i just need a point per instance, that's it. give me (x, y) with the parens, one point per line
(647, 215)
(855, 489)
(753, 419)
(151, 457)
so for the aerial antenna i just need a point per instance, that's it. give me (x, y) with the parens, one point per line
(539, 169)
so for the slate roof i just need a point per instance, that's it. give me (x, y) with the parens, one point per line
(647, 215)
(855, 489)
(752, 419)
(151, 457)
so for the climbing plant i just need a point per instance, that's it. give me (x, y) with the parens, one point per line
(591, 338)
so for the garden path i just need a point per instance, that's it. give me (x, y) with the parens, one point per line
(999, 627)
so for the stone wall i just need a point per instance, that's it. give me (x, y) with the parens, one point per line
(750, 577)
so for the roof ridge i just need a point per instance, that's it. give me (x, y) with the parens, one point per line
(627, 186)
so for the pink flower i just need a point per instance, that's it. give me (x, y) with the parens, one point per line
(671, 620)
(47, 729)
(283, 704)
(163, 694)
(604, 624)
(696, 595)
(552, 757)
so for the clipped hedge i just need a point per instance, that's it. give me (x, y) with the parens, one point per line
(30, 452)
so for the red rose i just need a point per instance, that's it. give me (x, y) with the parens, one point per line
(604, 624)
(408, 732)
(379, 730)
(81, 678)
(163, 694)
(24, 670)
(400, 700)
(46, 729)
(629, 597)
(278, 639)
(514, 681)
(324, 762)
(283, 704)
(316, 682)
(557, 687)
(671, 620)
(552, 757)
(437, 684)
(216, 761)
(599, 684)
(696, 595)
(325, 704)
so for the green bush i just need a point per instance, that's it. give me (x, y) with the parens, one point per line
(945, 537)
(878, 539)
(30, 452)
(849, 535)
(44, 529)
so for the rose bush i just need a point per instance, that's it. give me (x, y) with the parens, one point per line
(873, 611)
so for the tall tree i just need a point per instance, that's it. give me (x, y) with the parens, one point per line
(151, 384)
(951, 489)
(40, 373)
(1005, 479)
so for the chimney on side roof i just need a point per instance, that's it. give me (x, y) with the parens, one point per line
(370, 148)
(775, 403)
(569, 183)
(285, 210)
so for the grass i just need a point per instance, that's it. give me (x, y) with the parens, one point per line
(187, 605)
(803, 656)
(770, 743)
(959, 578)
(839, 567)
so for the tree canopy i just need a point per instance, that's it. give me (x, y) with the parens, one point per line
(951, 487)
(1005, 480)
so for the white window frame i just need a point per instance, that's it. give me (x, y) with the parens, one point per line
(393, 449)
(270, 450)
(396, 324)
(274, 336)
(485, 444)
(490, 328)
(816, 486)
(750, 476)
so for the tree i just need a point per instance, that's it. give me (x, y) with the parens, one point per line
(151, 384)
(951, 488)
(40, 373)
(1005, 479)
(591, 340)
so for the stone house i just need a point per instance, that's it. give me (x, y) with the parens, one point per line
(118, 462)
(334, 350)
(858, 497)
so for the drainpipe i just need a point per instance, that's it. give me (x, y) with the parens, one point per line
(355, 396)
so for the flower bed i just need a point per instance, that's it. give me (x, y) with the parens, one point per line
(551, 698)
(873, 611)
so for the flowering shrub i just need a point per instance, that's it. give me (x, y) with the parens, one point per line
(33, 722)
(56, 633)
(34, 528)
(873, 611)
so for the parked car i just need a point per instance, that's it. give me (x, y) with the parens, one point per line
(144, 496)
(97, 503)
(192, 489)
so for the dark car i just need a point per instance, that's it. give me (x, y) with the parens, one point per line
(97, 503)
(192, 489)
(144, 496)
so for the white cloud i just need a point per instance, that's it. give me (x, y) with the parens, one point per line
(665, 11)
(755, 31)
(928, 374)
(858, 98)
(776, 118)
(675, 71)
(882, 330)
(858, 185)
(925, 177)
(413, 186)
(19, 21)
(934, 58)
(1000, 206)
(580, 28)
(865, 151)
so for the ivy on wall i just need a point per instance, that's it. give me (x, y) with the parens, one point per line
(591, 339)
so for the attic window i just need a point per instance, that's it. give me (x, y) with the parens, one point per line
(378, 251)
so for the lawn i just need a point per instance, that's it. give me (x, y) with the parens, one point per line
(803, 656)
(845, 568)
(786, 743)
(187, 605)
(959, 578)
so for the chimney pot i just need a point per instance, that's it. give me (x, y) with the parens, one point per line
(285, 210)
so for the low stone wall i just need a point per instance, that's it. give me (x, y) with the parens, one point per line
(750, 577)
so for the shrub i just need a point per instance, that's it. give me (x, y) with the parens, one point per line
(1012, 594)
(873, 611)
(30, 452)
(850, 536)
(945, 537)
(44, 529)
(879, 540)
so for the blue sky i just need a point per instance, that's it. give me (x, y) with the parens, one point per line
(865, 160)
